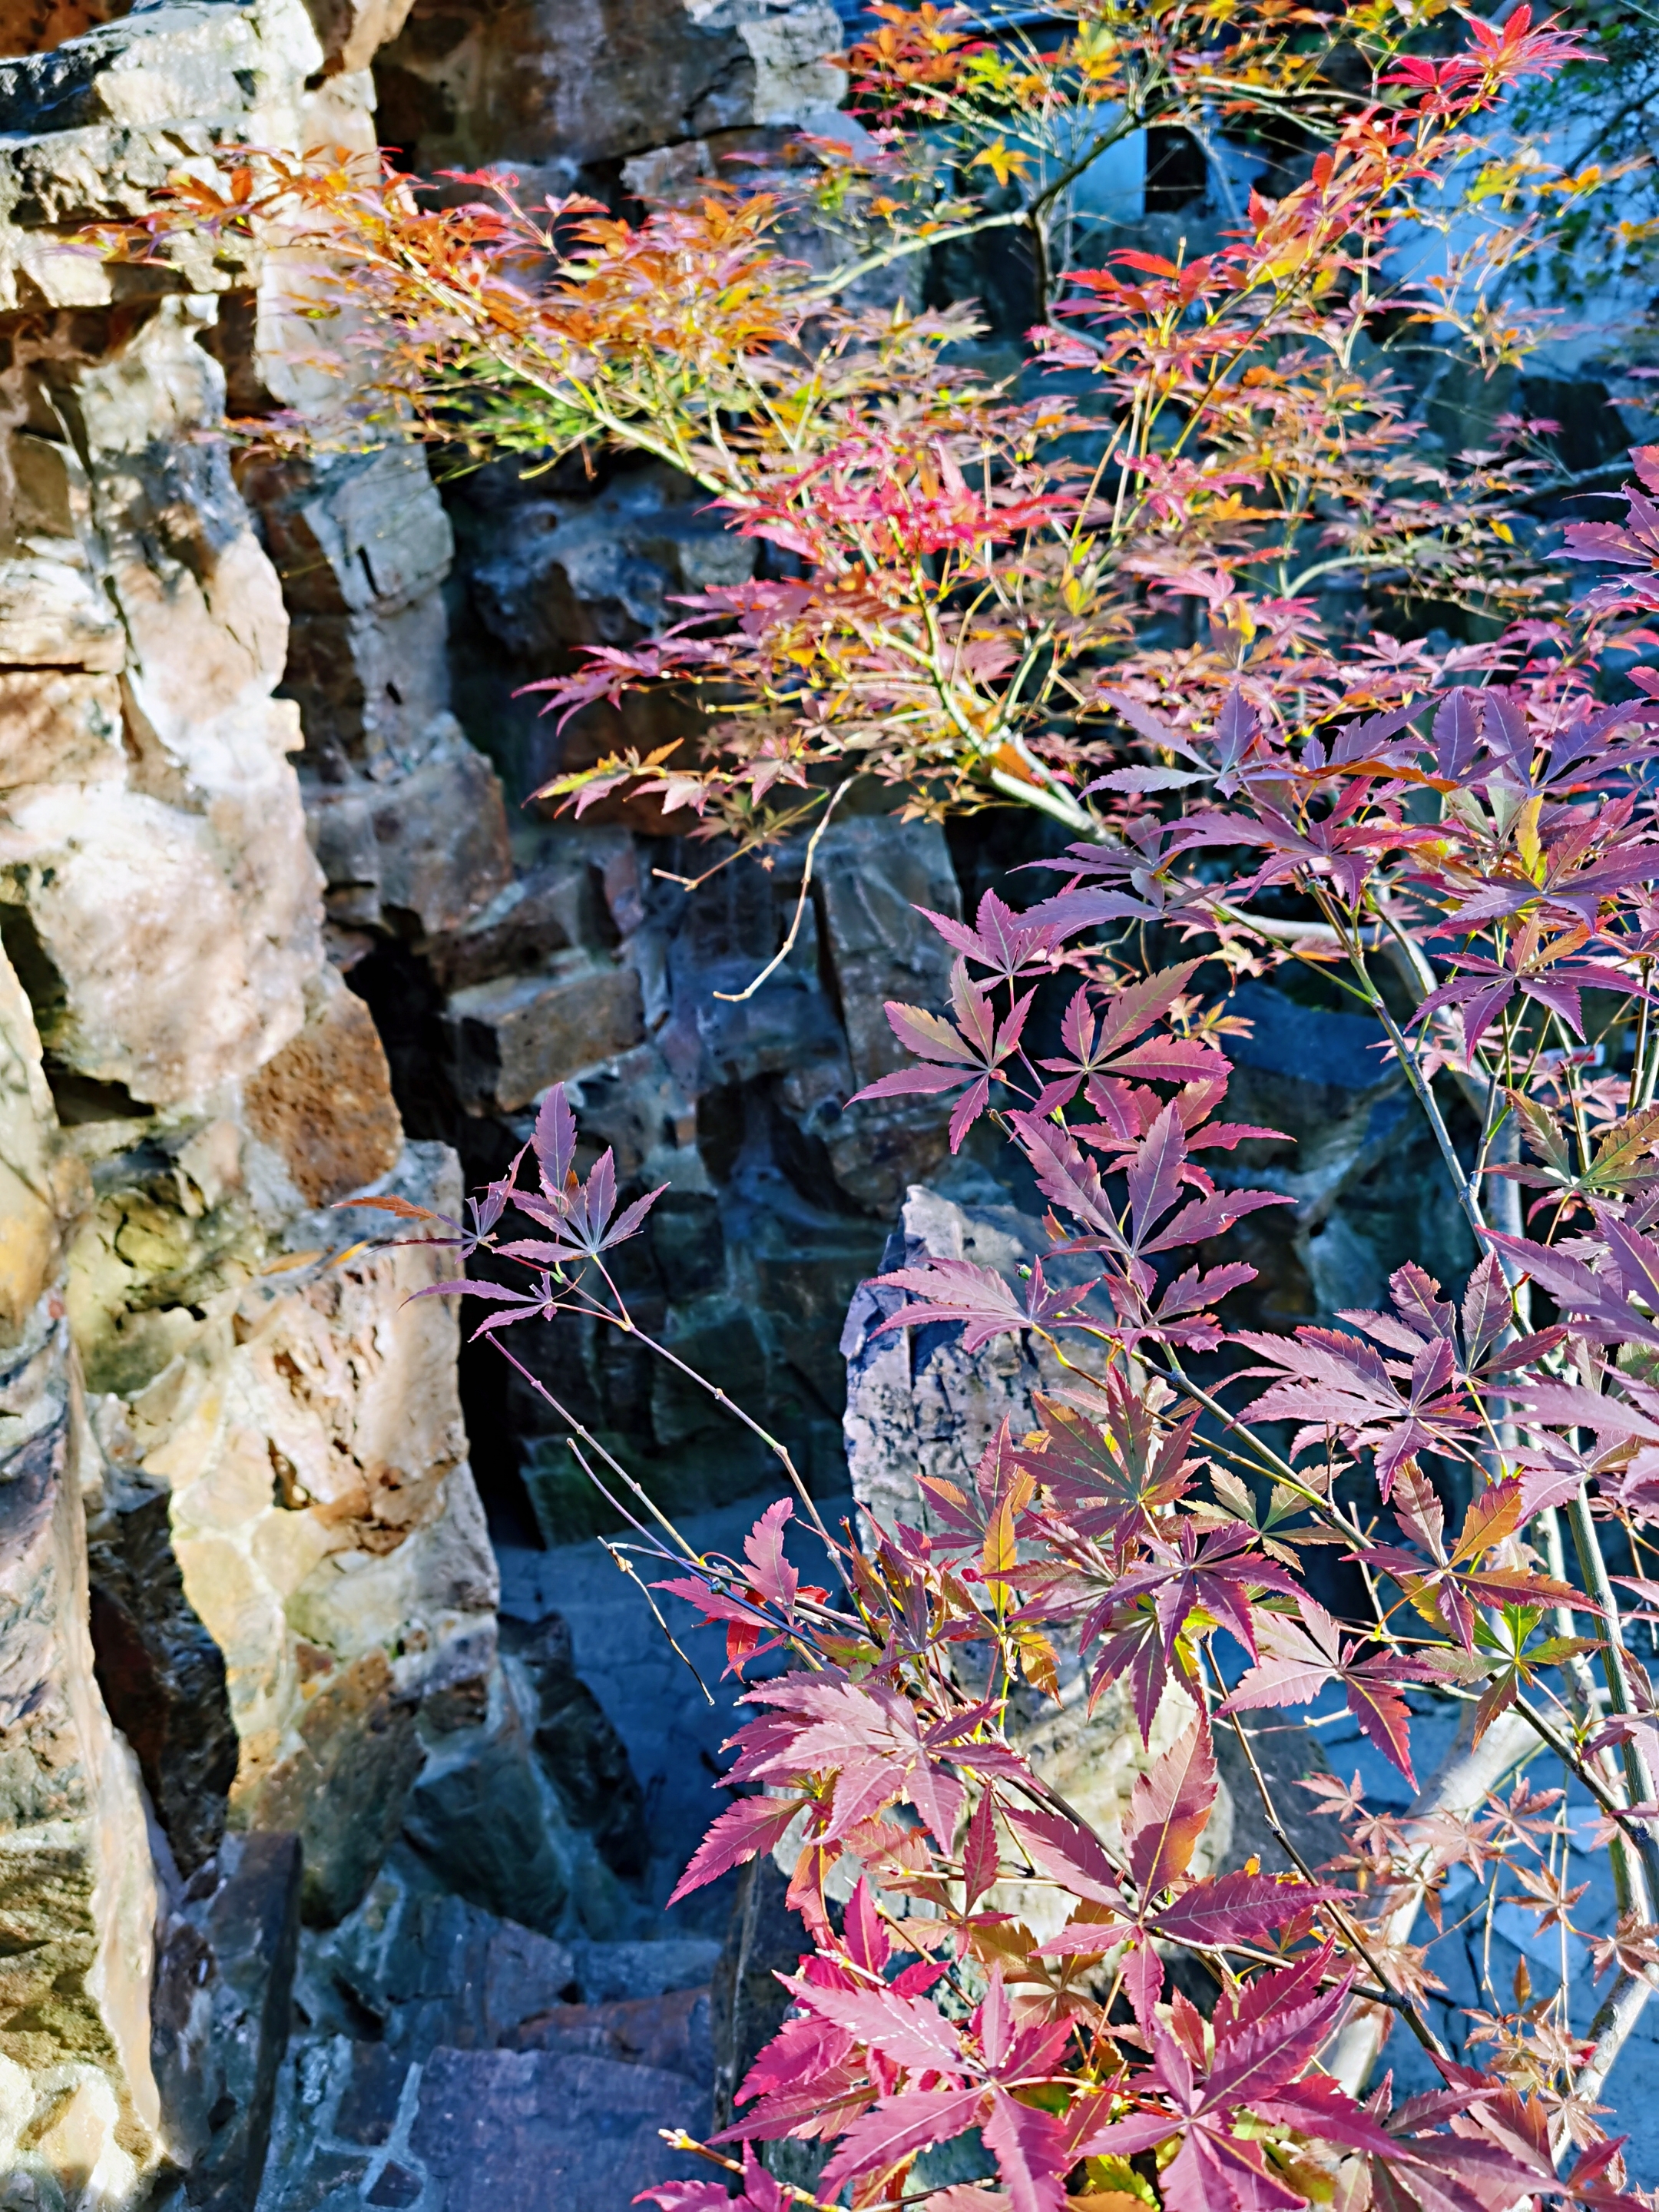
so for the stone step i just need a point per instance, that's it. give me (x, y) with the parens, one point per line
(474, 2130)
(674, 2033)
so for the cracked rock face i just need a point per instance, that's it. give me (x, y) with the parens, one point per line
(279, 937)
(242, 1547)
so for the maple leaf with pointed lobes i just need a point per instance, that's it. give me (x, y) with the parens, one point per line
(873, 1742)
(1169, 1809)
(1127, 1638)
(1240, 1907)
(1110, 1475)
(580, 1218)
(1009, 945)
(1211, 1914)
(1260, 2047)
(1302, 1653)
(989, 1516)
(1101, 1041)
(1067, 1853)
(1447, 1591)
(998, 2055)
(1534, 964)
(771, 1580)
(751, 1825)
(1215, 1572)
(1329, 1380)
(984, 1302)
(975, 1050)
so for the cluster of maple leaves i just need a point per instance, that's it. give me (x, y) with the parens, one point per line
(962, 574)
(964, 599)
(1497, 844)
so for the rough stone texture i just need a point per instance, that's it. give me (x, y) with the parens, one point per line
(161, 1674)
(549, 88)
(226, 745)
(77, 1888)
(420, 1968)
(225, 1983)
(174, 922)
(916, 1403)
(748, 2002)
(670, 2033)
(554, 2131)
(483, 1819)
(324, 1103)
(322, 1512)
(477, 2128)
(576, 2052)
(33, 1195)
(581, 1753)
(775, 1194)
(419, 855)
(514, 1037)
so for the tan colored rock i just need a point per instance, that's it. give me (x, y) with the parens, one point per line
(77, 1889)
(353, 31)
(57, 727)
(323, 1517)
(29, 26)
(512, 1037)
(50, 613)
(324, 1103)
(164, 987)
(28, 1196)
(171, 1227)
(180, 913)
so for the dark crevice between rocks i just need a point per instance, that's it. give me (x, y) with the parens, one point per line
(161, 1674)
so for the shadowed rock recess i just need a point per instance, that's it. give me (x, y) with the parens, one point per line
(326, 1877)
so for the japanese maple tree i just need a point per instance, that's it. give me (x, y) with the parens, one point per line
(1155, 1529)
(1111, 592)
(1212, 474)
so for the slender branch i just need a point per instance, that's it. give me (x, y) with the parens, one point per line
(737, 998)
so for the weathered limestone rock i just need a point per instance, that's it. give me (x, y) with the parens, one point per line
(916, 1403)
(322, 1515)
(324, 1103)
(173, 921)
(34, 1195)
(77, 1888)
